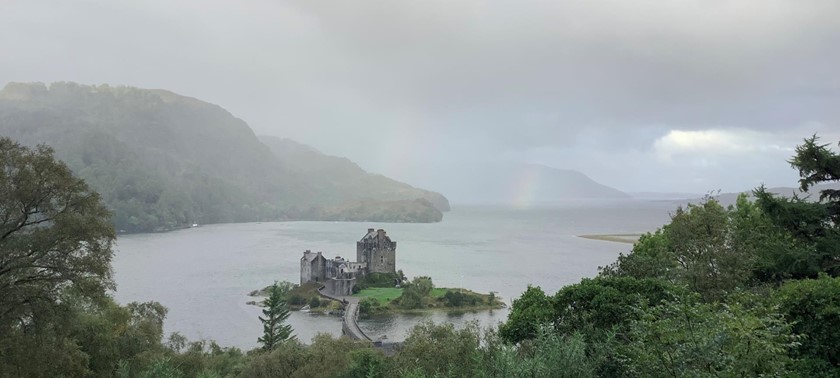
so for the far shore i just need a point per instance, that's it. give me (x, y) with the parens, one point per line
(618, 238)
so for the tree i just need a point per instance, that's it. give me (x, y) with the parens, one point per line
(596, 307)
(817, 164)
(276, 312)
(415, 292)
(814, 225)
(440, 350)
(529, 312)
(690, 339)
(54, 234)
(710, 248)
(813, 307)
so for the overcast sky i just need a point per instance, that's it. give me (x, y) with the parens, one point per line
(665, 95)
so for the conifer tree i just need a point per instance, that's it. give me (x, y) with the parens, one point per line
(276, 312)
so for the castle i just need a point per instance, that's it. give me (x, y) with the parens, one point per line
(375, 253)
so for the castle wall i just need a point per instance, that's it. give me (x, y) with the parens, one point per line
(340, 287)
(383, 261)
(305, 271)
(312, 267)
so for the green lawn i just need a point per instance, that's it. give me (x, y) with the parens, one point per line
(381, 294)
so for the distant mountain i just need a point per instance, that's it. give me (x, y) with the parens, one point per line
(657, 196)
(163, 161)
(508, 183)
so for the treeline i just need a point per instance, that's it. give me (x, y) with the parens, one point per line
(162, 161)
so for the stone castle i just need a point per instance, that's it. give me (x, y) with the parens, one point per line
(375, 253)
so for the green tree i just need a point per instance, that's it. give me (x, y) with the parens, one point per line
(415, 292)
(813, 307)
(54, 234)
(709, 248)
(439, 350)
(366, 363)
(817, 164)
(529, 312)
(603, 305)
(276, 312)
(690, 339)
(815, 226)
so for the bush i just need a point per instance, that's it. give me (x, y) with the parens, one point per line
(376, 279)
(368, 306)
(813, 306)
(297, 300)
(315, 302)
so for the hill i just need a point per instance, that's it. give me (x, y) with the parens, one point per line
(343, 179)
(163, 161)
(508, 183)
(729, 198)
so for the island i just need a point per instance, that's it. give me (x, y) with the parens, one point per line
(373, 283)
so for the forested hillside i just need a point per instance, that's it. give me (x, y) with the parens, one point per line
(163, 161)
(341, 180)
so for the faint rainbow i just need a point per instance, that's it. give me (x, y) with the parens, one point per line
(525, 186)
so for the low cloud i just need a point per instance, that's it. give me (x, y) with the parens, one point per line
(604, 86)
(715, 143)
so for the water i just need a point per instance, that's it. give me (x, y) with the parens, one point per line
(203, 274)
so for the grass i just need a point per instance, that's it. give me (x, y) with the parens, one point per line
(383, 295)
(619, 238)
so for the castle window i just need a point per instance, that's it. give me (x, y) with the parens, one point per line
(382, 259)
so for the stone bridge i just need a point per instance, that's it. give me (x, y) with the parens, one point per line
(349, 326)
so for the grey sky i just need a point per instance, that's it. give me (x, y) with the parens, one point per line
(640, 95)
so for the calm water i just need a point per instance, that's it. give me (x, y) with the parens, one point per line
(203, 274)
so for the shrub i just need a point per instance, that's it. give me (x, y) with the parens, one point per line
(315, 302)
(297, 300)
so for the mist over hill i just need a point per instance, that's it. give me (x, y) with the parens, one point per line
(508, 183)
(162, 161)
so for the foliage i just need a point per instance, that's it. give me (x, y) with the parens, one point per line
(529, 313)
(712, 250)
(415, 293)
(457, 298)
(815, 237)
(282, 361)
(369, 305)
(276, 312)
(379, 280)
(813, 307)
(54, 234)
(697, 339)
(366, 363)
(314, 302)
(818, 164)
(438, 349)
(815, 226)
(596, 307)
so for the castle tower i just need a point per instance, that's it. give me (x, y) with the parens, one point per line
(378, 251)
